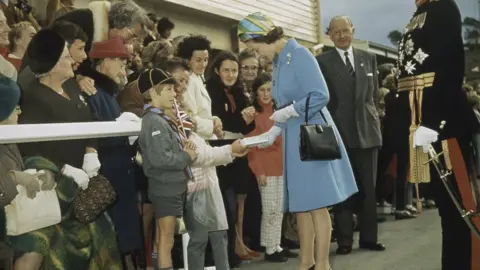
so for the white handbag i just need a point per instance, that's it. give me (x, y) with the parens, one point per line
(25, 215)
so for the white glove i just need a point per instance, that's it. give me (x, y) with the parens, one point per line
(79, 176)
(132, 139)
(128, 117)
(281, 116)
(30, 171)
(272, 135)
(424, 137)
(91, 164)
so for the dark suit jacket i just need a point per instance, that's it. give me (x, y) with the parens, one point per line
(353, 99)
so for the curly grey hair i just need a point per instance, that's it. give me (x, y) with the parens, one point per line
(125, 14)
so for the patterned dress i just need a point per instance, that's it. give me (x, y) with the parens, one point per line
(70, 244)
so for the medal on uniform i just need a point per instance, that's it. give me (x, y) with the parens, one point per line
(410, 67)
(420, 56)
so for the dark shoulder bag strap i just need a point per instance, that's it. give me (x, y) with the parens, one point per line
(307, 108)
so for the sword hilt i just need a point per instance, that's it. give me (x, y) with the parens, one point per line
(433, 155)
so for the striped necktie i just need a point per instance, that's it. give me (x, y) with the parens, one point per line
(349, 65)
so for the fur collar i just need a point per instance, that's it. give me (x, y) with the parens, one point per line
(105, 83)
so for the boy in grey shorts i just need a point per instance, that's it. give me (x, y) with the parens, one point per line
(165, 159)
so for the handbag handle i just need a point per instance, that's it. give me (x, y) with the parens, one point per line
(307, 104)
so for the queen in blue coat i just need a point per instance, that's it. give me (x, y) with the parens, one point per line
(311, 186)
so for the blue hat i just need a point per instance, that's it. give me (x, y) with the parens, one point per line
(9, 97)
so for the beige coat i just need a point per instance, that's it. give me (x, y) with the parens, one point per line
(198, 106)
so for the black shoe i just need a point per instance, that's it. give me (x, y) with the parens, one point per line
(344, 250)
(372, 246)
(276, 257)
(312, 268)
(401, 215)
(290, 244)
(289, 254)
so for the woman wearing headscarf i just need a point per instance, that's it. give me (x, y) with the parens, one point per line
(314, 185)
(50, 101)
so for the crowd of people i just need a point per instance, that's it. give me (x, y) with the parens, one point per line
(190, 169)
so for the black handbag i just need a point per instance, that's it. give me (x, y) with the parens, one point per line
(318, 142)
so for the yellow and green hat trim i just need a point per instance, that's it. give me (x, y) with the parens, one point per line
(254, 25)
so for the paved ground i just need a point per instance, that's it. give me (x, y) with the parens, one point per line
(411, 245)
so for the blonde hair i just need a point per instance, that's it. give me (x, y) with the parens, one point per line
(16, 33)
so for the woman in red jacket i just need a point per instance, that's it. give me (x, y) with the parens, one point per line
(267, 165)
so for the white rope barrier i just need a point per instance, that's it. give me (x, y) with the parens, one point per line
(67, 131)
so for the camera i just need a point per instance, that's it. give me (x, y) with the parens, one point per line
(24, 6)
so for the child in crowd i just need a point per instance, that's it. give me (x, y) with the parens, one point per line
(267, 165)
(167, 155)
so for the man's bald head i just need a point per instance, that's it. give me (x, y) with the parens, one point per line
(341, 31)
(339, 18)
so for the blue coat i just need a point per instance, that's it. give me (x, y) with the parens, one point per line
(116, 158)
(309, 185)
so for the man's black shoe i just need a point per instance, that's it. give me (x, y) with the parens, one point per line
(372, 246)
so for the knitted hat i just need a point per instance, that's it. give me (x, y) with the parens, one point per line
(44, 51)
(9, 97)
(254, 25)
(152, 77)
(113, 48)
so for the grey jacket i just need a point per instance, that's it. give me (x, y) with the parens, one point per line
(163, 160)
(353, 100)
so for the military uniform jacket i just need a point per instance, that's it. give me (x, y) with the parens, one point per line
(432, 44)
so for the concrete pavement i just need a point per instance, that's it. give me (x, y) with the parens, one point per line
(411, 245)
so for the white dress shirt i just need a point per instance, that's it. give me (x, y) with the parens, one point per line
(350, 56)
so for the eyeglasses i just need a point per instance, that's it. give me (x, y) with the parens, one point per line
(252, 68)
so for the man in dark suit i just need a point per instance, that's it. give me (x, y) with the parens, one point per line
(352, 80)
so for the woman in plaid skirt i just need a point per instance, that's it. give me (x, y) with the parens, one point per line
(267, 165)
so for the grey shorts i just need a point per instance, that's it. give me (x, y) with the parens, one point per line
(168, 206)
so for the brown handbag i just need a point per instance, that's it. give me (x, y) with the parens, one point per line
(93, 201)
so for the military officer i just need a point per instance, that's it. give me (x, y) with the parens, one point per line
(433, 109)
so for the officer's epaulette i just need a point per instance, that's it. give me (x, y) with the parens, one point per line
(416, 22)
